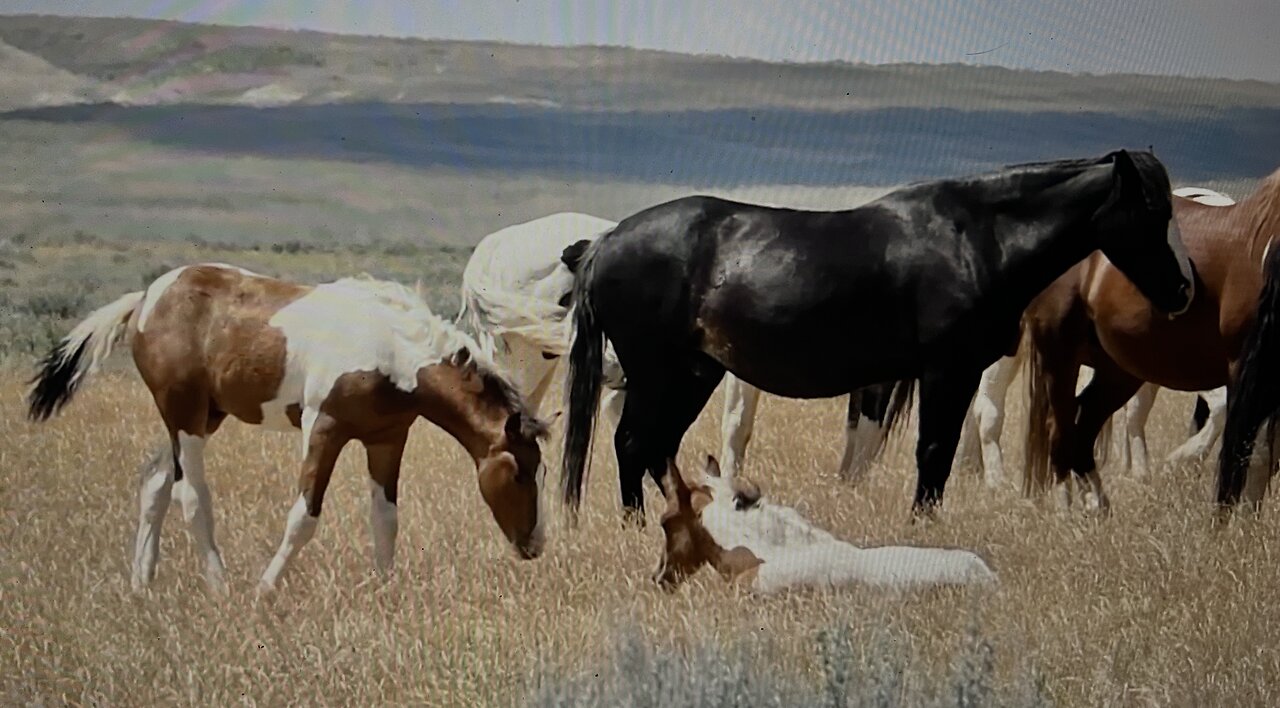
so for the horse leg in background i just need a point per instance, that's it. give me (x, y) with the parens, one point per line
(155, 489)
(384, 457)
(1136, 414)
(1198, 445)
(737, 423)
(865, 431)
(322, 441)
(988, 412)
(1109, 389)
(944, 398)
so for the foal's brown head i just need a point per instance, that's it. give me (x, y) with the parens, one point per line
(486, 413)
(688, 544)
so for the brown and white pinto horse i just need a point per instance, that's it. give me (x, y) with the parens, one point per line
(356, 359)
(1094, 316)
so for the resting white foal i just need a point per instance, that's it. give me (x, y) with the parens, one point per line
(767, 547)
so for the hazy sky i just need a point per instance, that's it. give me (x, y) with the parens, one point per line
(1230, 38)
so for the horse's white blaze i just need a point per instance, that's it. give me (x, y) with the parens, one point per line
(154, 494)
(796, 553)
(197, 505)
(299, 529)
(384, 520)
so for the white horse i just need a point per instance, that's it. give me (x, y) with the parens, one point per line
(515, 301)
(768, 547)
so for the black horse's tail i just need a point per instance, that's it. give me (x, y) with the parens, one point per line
(584, 380)
(1253, 398)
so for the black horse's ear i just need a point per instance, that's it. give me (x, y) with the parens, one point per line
(1128, 176)
(572, 255)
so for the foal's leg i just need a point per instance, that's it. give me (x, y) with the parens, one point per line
(322, 442)
(737, 423)
(186, 411)
(1135, 428)
(944, 399)
(384, 477)
(155, 488)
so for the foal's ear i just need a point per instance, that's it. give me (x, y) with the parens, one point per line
(671, 482)
(713, 466)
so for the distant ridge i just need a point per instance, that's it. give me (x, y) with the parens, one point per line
(48, 60)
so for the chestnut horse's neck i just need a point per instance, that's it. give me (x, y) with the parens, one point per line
(469, 405)
(1262, 212)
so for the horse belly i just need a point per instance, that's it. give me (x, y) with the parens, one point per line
(1186, 354)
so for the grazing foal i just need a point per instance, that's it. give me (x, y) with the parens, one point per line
(726, 524)
(355, 359)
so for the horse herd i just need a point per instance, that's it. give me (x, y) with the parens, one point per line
(941, 286)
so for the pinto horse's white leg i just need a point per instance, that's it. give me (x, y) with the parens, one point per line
(322, 444)
(197, 507)
(1135, 428)
(737, 423)
(155, 489)
(1198, 445)
(863, 439)
(384, 518)
(988, 408)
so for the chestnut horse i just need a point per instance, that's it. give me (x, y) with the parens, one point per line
(1094, 316)
(355, 359)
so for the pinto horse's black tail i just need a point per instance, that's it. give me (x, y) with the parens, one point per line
(1253, 398)
(79, 354)
(585, 378)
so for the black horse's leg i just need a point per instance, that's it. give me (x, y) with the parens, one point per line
(944, 400)
(658, 410)
(1107, 392)
(635, 442)
(687, 394)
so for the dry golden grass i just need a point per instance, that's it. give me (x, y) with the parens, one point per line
(1149, 607)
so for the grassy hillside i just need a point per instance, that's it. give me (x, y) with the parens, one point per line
(151, 61)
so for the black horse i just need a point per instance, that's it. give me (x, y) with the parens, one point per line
(925, 283)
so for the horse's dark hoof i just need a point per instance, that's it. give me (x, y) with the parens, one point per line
(633, 519)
